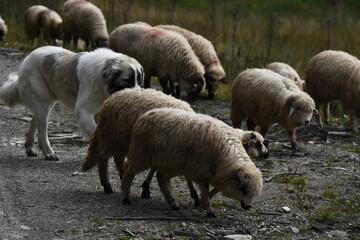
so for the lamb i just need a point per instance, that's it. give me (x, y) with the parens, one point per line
(331, 76)
(3, 29)
(203, 48)
(203, 149)
(287, 71)
(164, 54)
(265, 97)
(116, 120)
(84, 20)
(40, 19)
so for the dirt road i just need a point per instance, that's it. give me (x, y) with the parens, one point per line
(42, 199)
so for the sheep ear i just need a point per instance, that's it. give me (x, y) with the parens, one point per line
(292, 110)
(315, 111)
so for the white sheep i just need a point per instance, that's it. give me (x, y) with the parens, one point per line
(84, 20)
(116, 120)
(40, 19)
(204, 49)
(164, 54)
(203, 149)
(287, 71)
(3, 29)
(332, 76)
(265, 98)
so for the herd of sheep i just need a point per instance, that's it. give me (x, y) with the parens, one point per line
(146, 129)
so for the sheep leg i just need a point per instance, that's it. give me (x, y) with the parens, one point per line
(213, 192)
(164, 85)
(264, 130)
(103, 174)
(147, 81)
(145, 194)
(165, 186)
(193, 193)
(321, 111)
(205, 196)
(125, 187)
(237, 120)
(30, 139)
(326, 113)
(353, 121)
(292, 136)
(250, 125)
(119, 163)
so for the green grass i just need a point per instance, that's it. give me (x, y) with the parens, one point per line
(246, 34)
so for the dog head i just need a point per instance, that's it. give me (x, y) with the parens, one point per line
(122, 73)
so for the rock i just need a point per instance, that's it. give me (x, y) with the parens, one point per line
(286, 209)
(294, 229)
(338, 233)
(238, 237)
(23, 227)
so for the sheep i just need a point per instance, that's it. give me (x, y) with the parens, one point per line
(203, 48)
(84, 20)
(255, 145)
(265, 97)
(40, 19)
(116, 119)
(287, 71)
(331, 76)
(203, 149)
(164, 54)
(3, 29)
(82, 81)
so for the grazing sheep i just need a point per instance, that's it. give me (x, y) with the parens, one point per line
(203, 149)
(84, 20)
(3, 29)
(203, 48)
(40, 19)
(265, 97)
(116, 120)
(82, 81)
(331, 76)
(164, 54)
(287, 71)
(255, 145)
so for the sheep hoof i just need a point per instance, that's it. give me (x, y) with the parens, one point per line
(126, 201)
(175, 207)
(51, 157)
(211, 215)
(107, 186)
(197, 202)
(145, 194)
(31, 152)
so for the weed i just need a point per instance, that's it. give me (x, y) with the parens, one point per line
(330, 194)
(99, 220)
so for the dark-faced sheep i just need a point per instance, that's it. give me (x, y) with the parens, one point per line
(40, 19)
(116, 120)
(204, 49)
(3, 29)
(203, 149)
(332, 76)
(265, 98)
(287, 71)
(164, 54)
(84, 20)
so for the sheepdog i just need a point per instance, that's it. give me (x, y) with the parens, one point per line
(81, 81)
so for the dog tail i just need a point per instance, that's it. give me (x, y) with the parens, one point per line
(92, 154)
(9, 92)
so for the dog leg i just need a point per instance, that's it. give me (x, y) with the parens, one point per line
(30, 136)
(42, 116)
(85, 120)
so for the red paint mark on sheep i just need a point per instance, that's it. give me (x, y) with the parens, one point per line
(154, 33)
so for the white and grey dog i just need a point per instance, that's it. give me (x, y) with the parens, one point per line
(82, 81)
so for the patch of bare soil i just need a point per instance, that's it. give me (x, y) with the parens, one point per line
(311, 194)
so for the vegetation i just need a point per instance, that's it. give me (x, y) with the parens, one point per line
(246, 33)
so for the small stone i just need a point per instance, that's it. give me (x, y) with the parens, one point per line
(286, 209)
(294, 229)
(238, 237)
(310, 142)
(338, 233)
(23, 227)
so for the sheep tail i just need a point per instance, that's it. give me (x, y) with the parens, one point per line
(9, 92)
(92, 155)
